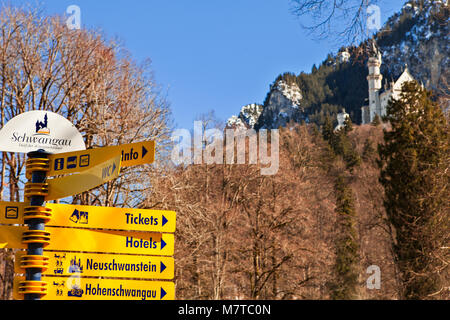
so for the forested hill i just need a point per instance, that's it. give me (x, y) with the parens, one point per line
(415, 36)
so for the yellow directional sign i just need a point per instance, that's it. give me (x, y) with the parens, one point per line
(145, 243)
(11, 237)
(75, 288)
(132, 154)
(11, 212)
(77, 183)
(79, 216)
(105, 265)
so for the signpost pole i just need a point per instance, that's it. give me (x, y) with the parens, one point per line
(36, 216)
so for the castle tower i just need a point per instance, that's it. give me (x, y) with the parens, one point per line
(374, 78)
(341, 117)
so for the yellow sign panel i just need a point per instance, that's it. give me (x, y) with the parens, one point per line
(105, 265)
(65, 215)
(132, 154)
(75, 288)
(11, 237)
(78, 183)
(145, 243)
(11, 212)
(79, 216)
(68, 239)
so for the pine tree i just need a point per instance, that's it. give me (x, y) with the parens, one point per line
(342, 145)
(347, 248)
(345, 282)
(348, 125)
(327, 130)
(414, 172)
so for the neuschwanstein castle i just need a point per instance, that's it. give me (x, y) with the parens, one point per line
(378, 96)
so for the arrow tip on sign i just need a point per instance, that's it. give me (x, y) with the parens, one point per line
(163, 293)
(114, 167)
(144, 151)
(164, 220)
(163, 267)
(163, 244)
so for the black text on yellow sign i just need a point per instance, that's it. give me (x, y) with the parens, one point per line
(79, 216)
(93, 217)
(104, 265)
(146, 243)
(76, 288)
(132, 154)
(67, 239)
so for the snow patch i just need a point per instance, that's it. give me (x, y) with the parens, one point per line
(291, 92)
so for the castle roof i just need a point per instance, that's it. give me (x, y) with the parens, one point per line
(405, 76)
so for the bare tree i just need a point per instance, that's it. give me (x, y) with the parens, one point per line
(244, 235)
(90, 80)
(340, 20)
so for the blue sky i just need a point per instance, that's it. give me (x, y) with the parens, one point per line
(208, 54)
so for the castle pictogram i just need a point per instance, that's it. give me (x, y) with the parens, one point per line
(42, 127)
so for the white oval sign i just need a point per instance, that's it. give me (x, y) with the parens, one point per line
(38, 129)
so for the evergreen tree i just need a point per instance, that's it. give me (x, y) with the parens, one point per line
(327, 130)
(348, 125)
(346, 245)
(414, 172)
(342, 145)
(347, 248)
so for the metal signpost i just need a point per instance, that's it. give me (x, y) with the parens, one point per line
(36, 237)
(125, 242)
